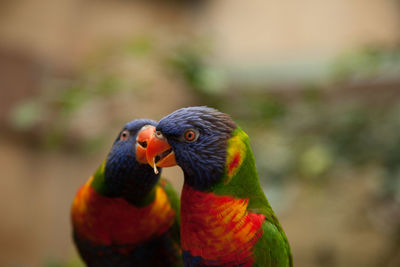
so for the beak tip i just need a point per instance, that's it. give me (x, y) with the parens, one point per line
(157, 146)
(155, 167)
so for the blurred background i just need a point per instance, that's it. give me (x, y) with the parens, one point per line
(315, 84)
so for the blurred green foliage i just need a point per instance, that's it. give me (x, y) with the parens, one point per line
(305, 134)
(368, 63)
(310, 132)
(190, 61)
(140, 46)
(52, 115)
(26, 114)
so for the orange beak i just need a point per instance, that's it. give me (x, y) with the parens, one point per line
(159, 152)
(142, 141)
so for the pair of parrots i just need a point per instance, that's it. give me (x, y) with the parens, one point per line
(125, 215)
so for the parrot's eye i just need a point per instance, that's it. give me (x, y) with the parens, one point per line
(158, 134)
(190, 135)
(124, 135)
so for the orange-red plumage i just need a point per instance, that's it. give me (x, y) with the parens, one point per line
(234, 163)
(218, 228)
(107, 221)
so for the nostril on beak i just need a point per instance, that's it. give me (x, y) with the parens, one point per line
(143, 144)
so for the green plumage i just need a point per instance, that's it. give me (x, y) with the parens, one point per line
(272, 249)
(175, 205)
(226, 219)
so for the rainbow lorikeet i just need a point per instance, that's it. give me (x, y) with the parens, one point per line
(226, 219)
(125, 215)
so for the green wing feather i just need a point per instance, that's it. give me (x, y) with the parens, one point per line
(175, 205)
(273, 248)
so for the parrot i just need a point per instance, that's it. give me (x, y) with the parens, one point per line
(125, 215)
(226, 219)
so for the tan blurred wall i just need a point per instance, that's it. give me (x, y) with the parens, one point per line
(261, 30)
(244, 32)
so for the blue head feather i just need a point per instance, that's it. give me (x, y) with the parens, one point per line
(124, 175)
(203, 160)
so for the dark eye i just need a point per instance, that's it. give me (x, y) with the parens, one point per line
(124, 135)
(190, 135)
(158, 134)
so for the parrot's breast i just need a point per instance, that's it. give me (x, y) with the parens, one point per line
(114, 221)
(218, 229)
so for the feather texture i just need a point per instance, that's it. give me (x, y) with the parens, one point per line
(125, 215)
(226, 217)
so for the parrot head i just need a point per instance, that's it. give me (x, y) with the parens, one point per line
(195, 138)
(127, 173)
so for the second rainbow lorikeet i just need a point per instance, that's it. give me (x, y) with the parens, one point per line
(226, 219)
(125, 215)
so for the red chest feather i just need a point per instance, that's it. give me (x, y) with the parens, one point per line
(218, 228)
(107, 221)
